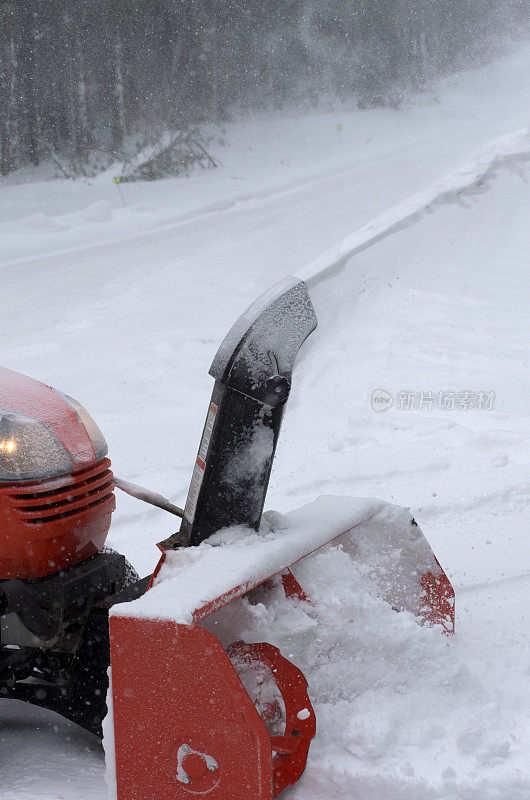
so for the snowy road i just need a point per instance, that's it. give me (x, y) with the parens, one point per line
(128, 321)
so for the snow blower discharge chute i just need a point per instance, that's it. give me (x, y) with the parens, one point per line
(192, 709)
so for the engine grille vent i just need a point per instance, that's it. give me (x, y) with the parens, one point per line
(57, 499)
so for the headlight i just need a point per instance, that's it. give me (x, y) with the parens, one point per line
(29, 450)
(96, 437)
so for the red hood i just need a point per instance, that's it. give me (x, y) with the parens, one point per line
(24, 395)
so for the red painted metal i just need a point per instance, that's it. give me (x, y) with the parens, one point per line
(205, 728)
(290, 749)
(439, 598)
(184, 725)
(204, 735)
(50, 524)
(292, 588)
(22, 395)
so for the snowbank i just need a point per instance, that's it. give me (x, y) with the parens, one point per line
(507, 151)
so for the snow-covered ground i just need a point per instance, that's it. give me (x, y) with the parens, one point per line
(123, 308)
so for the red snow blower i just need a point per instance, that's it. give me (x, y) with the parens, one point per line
(193, 709)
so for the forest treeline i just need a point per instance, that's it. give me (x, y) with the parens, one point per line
(85, 77)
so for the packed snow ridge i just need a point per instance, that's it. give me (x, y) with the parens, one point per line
(504, 153)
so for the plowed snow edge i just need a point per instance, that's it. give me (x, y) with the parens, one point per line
(474, 178)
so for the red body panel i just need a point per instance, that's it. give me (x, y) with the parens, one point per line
(180, 708)
(23, 395)
(50, 524)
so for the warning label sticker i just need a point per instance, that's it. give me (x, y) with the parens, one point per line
(207, 433)
(200, 465)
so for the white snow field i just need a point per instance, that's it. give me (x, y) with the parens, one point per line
(423, 217)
